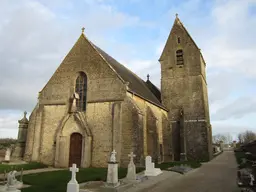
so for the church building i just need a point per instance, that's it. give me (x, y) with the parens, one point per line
(92, 105)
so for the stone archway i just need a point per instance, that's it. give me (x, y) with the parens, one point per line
(75, 149)
(73, 127)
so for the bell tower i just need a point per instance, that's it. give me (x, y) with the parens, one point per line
(184, 93)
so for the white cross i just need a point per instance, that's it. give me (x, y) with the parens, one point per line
(131, 155)
(74, 170)
(113, 156)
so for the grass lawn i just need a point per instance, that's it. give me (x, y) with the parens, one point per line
(56, 181)
(192, 164)
(32, 165)
(239, 156)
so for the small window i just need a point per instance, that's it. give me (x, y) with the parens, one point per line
(178, 40)
(179, 57)
(81, 89)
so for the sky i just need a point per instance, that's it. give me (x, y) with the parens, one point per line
(36, 35)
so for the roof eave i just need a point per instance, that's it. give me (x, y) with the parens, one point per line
(162, 107)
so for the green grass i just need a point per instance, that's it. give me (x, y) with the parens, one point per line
(239, 156)
(165, 166)
(56, 181)
(32, 165)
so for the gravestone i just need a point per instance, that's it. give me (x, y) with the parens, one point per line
(131, 171)
(7, 155)
(244, 177)
(150, 167)
(73, 185)
(112, 177)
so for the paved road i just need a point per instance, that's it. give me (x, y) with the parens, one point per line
(219, 175)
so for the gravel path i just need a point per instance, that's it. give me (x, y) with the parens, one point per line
(218, 175)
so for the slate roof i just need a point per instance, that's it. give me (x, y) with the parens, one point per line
(154, 89)
(136, 84)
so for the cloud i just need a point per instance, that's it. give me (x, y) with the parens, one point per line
(229, 128)
(36, 35)
(35, 38)
(236, 109)
(9, 123)
(9, 133)
(27, 54)
(232, 44)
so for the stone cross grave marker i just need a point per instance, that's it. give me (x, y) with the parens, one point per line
(113, 156)
(112, 177)
(73, 185)
(131, 155)
(131, 171)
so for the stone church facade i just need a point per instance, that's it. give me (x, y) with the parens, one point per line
(93, 104)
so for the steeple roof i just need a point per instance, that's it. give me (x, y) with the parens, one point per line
(178, 22)
(24, 119)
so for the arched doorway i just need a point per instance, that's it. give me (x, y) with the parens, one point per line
(75, 149)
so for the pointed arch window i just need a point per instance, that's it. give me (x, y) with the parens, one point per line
(81, 89)
(179, 57)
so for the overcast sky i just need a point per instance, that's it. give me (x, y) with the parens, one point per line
(35, 36)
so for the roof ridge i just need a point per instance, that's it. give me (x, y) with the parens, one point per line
(153, 84)
(136, 84)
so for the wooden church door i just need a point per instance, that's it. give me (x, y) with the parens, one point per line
(75, 149)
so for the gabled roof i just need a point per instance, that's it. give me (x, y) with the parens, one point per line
(178, 22)
(135, 84)
(154, 89)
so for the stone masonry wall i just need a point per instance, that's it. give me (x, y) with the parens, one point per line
(100, 122)
(158, 113)
(103, 84)
(103, 88)
(30, 135)
(132, 132)
(184, 86)
(51, 118)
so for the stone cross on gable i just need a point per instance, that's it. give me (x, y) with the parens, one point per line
(74, 170)
(131, 155)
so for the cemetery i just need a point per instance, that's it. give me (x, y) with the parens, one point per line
(246, 160)
(15, 175)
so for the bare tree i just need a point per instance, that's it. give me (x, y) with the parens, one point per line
(225, 138)
(246, 137)
(240, 138)
(218, 138)
(229, 139)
